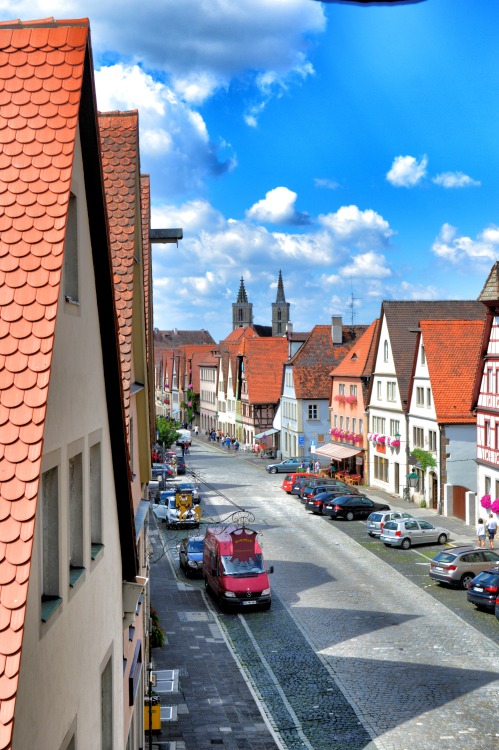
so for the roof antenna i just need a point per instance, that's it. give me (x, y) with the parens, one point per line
(351, 305)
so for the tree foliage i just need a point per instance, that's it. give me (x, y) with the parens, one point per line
(167, 431)
(425, 458)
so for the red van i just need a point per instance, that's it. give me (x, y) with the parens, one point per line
(287, 484)
(234, 569)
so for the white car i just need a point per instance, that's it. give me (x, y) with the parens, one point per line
(404, 533)
(376, 521)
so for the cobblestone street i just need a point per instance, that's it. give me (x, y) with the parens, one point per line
(353, 654)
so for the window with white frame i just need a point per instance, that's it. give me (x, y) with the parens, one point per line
(335, 421)
(361, 426)
(312, 411)
(390, 390)
(354, 424)
(488, 485)
(107, 740)
(394, 427)
(418, 437)
(353, 390)
(385, 351)
(347, 423)
(428, 398)
(488, 434)
(381, 466)
(419, 396)
(423, 355)
(432, 441)
(490, 380)
(378, 393)
(341, 422)
(341, 389)
(379, 424)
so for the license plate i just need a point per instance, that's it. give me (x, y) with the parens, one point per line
(245, 604)
(372, 525)
(477, 588)
(437, 568)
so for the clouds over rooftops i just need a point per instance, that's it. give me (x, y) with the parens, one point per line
(407, 171)
(452, 247)
(278, 207)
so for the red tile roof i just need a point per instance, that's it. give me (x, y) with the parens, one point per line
(119, 133)
(313, 362)
(355, 361)
(452, 350)
(243, 332)
(263, 368)
(41, 75)
(44, 72)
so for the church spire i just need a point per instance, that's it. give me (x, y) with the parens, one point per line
(280, 310)
(280, 290)
(242, 298)
(242, 310)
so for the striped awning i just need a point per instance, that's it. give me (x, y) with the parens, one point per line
(337, 451)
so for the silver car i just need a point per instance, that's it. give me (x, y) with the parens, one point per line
(405, 533)
(461, 564)
(376, 521)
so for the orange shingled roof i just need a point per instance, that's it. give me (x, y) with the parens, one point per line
(355, 361)
(263, 368)
(452, 350)
(120, 157)
(41, 76)
(243, 332)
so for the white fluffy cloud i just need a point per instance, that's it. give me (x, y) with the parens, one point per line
(173, 138)
(407, 171)
(455, 248)
(278, 207)
(370, 265)
(455, 180)
(362, 229)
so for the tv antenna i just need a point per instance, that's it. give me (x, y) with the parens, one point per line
(351, 305)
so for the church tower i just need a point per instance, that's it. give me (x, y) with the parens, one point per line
(280, 311)
(242, 310)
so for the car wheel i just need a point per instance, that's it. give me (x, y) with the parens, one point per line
(466, 580)
(349, 516)
(273, 470)
(442, 538)
(406, 543)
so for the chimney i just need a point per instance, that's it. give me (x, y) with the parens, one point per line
(289, 327)
(337, 329)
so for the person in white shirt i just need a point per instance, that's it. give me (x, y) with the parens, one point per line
(481, 532)
(491, 529)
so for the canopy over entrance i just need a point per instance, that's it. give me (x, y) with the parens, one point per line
(337, 451)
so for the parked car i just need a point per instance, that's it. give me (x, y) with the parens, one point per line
(298, 484)
(351, 507)
(406, 532)
(309, 492)
(496, 611)
(190, 555)
(161, 473)
(181, 467)
(316, 502)
(288, 465)
(460, 565)
(376, 521)
(289, 480)
(330, 484)
(189, 487)
(483, 590)
(160, 503)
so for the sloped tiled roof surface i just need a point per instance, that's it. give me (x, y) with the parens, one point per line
(243, 332)
(41, 73)
(355, 361)
(490, 291)
(403, 318)
(452, 350)
(263, 368)
(313, 362)
(119, 149)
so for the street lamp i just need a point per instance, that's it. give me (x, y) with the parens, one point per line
(412, 480)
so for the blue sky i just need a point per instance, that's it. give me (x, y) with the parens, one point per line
(353, 147)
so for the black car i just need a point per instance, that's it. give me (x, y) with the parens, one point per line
(160, 473)
(317, 501)
(191, 555)
(483, 590)
(181, 468)
(298, 484)
(329, 484)
(310, 491)
(352, 506)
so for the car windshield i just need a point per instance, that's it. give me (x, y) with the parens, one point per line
(195, 545)
(232, 566)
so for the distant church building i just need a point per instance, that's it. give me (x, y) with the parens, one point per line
(242, 312)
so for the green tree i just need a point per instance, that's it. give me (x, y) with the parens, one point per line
(425, 458)
(167, 431)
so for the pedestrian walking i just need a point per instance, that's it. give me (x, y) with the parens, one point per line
(196, 430)
(236, 446)
(173, 464)
(481, 532)
(227, 443)
(491, 529)
(311, 465)
(317, 466)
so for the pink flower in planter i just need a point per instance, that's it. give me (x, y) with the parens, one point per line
(189, 403)
(381, 439)
(495, 506)
(395, 443)
(485, 502)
